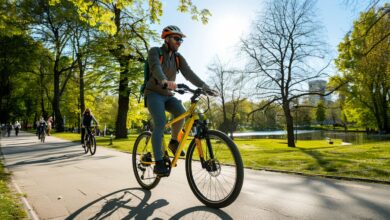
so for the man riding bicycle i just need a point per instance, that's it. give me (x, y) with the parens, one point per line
(86, 121)
(41, 127)
(158, 99)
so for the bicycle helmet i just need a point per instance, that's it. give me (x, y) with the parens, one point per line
(171, 29)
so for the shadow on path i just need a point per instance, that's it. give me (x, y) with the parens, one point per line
(132, 203)
(201, 212)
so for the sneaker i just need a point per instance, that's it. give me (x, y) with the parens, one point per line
(160, 169)
(173, 145)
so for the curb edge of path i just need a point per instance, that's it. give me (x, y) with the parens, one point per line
(26, 205)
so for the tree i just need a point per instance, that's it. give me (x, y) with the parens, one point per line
(383, 11)
(266, 119)
(368, 75)
(18, 55)
(52, 25)
(125, 24)
(320, 112)
(230, 84)
(283, 47)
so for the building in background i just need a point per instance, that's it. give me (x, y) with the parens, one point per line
(318, 86)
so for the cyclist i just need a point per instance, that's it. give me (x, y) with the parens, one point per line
(17, 127)
(159, 99)
(86, 121)
(9, 129)
(41, 127)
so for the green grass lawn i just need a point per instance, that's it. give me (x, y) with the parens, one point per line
(317, 157)
(10, 207)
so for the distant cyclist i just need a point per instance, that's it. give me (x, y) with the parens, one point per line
(41, 127)
(17, 127)
(159, 99)
(86, 122)
(9, 129)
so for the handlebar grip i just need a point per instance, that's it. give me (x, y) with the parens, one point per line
(165, 86)
(182, 86)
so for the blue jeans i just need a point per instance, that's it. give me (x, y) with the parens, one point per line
(157, 104)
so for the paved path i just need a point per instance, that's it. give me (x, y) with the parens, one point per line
(61, 182)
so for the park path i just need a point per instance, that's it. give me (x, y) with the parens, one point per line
(61, 182)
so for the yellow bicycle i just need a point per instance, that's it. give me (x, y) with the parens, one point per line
(213, 162)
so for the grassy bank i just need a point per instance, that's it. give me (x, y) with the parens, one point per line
(317, 157)
(10, 208)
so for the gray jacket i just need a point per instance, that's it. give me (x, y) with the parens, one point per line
(167, 70)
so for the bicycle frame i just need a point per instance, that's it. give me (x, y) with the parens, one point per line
(89, 131)
(187, 128)
(216, 183)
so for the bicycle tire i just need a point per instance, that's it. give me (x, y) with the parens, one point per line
(143, 149)
(85, 147)
(43, 137)
(220, 196)
(87, 144)
(92, 148)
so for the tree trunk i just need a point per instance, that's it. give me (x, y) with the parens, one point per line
(82, 99)
(42, 102)
(123, 103)
(81, 70)
(290, 125)
(386, 126)
(58, 120)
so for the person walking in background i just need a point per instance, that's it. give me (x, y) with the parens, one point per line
(49, 125)
(17, 127)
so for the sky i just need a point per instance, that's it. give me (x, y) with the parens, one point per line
(231, 20)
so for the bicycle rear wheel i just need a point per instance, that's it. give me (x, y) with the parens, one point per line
(216, 178)
(142, 157)
(92, 148)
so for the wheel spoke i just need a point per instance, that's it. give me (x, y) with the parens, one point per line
(219, 183)
(142, 152)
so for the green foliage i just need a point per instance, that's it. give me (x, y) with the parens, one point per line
(10, 207)
(99, 14)
(18, 63)
(11, 23)
(364, 62)
(320, 112)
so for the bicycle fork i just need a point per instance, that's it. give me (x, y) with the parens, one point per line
(211, 164)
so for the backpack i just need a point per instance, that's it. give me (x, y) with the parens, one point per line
(147, 71)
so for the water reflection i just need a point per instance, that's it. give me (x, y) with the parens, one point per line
(351, 137)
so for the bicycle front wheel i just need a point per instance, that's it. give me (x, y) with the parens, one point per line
(43, 137)
(214, 169)
(92, 148)
(85, 146)
(142, 161)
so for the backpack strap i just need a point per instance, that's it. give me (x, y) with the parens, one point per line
(160, 52)
(177, 59)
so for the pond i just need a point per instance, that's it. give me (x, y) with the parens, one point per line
(350, 137)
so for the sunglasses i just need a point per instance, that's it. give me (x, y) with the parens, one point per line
(178, 39)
